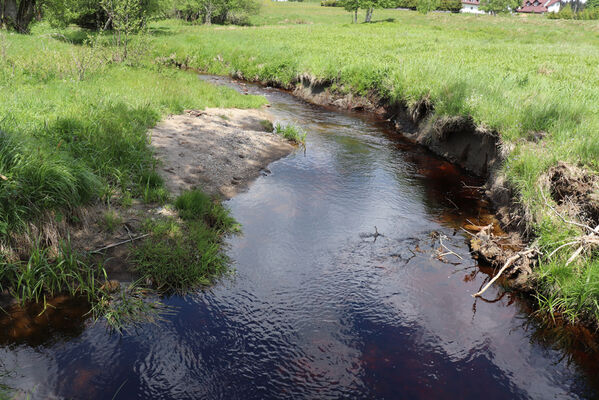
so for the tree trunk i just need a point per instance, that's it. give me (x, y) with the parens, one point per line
(17, 16)
(369, 14)
(356, 16)
(208, 17)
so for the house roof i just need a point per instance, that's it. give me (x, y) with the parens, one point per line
(536, 6)
(474, 2)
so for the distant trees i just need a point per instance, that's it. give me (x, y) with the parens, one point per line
(426, 6)
(499, 6)
(216, 11)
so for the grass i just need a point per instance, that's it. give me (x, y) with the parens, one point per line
(291, 132)
(45, 275)
(112, 221)
(63, 138)
(518, 75)
(182, 254)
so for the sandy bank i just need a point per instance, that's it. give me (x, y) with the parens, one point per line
(220, 151)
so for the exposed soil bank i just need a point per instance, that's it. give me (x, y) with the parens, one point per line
(459, 140)
(220, 151)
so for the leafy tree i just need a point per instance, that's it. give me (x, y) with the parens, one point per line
(92, 14)
(352, 6)
(426, 6)
(368, 5)
(498, 6)
(592, 4)
(17, 14)
(126, 17)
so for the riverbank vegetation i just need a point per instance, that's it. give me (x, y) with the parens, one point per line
(75, 116)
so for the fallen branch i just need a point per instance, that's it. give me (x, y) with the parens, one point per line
(507, 264)
(449, 251)
(110, 246)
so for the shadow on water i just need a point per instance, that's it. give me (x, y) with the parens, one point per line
(321, 306)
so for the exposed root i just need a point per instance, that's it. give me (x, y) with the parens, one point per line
(504, 252)
(507, 264)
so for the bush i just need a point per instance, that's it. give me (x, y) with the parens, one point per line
(589, 13)
(443, 5)
(331, 3)
(450, 5)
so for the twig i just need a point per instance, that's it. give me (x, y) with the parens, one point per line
(449, 251)
(110, 246)
(452, 203)
(595, 231)
(561, 247)
(472, 187)
(507, 264)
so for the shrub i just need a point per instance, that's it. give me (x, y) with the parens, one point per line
(331, 3)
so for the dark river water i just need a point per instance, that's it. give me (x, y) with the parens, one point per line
(318, 309)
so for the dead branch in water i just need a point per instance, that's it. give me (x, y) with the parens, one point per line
(507, 264)
(449, 251)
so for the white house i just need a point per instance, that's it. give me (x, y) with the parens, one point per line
(471, 6)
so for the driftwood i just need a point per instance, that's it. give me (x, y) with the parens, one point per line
(507, 264)
(110, 246)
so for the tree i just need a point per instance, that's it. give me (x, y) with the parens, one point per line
(91, 14)
(126, 17)
(592, 4)
(352, 6)
(368, 5)
(498, 6)
(17, 14)
(426, 6)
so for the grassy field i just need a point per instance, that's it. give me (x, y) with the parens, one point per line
(519, 75)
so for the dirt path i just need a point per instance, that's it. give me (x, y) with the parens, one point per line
(220, 151)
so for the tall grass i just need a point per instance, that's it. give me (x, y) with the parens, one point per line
(181, 256)
(62, 139)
